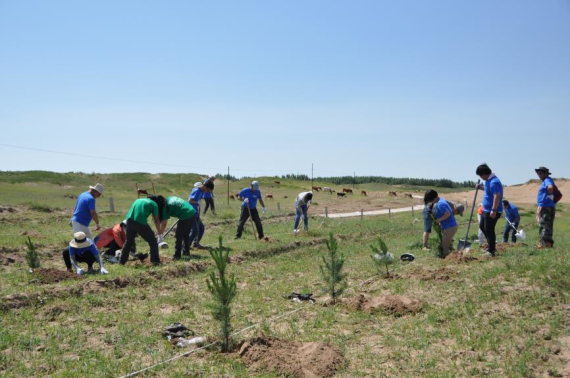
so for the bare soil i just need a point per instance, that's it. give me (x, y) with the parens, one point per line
(459, 257)
(290, 358)
(50, 275)
(443, 274)
(397, 305)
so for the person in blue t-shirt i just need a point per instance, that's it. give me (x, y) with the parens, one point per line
(427, 215)
(513, 216)
(85, 210)
(198, 227)
(82, 249)
(444, 216)
(492, 206)
(209, 197)
(546, 208)
(250, 196)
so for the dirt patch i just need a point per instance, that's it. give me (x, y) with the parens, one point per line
(9, 209)
(443, 275)
(459, 257)
(49, 275)
(33, 234)
(282, 249)
(290, 358)
(11, 258)
(15, 301)
(397, 305)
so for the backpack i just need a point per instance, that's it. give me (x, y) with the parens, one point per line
(557, 194)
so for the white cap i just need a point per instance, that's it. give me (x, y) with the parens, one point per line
(255, 185)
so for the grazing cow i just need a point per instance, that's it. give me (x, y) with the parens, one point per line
(408, 195)
(363, 192)
(316, 188)
(347, 190)
(277, 182)
(232, 197)
(141, 192)
(339, 195)
(393, 194)
(285, 197)
(269, 196)
(327, 189)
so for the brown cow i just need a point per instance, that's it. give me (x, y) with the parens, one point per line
(277, 182)
(408, 195)
(316, 188)
(269, 196)
(363, 192)
(232, 197)
(393, 194)
(141, 192)
(347, 190)
(339, 195)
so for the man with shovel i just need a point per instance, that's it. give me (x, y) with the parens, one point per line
(513, 220)
(186, 214)
(492, 205)
(250, 196)
(301, 207)
(194, 199)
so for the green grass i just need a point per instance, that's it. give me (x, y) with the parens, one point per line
(501, 317)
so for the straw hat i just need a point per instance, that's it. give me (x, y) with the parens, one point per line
(98, 187)
(80, 240)
(198, 185)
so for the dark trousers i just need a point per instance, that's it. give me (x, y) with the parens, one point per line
(197, 230)
(183, 236)
(112, 247)
(487, 225)
(243, 218)
(546, 226)
(86, 257)
(509, 228)
(133, 229)
(209, 203)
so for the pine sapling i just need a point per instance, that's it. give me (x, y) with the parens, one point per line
(331, 269)
(223, 290)
(381, 256)
(439, 233)
(32, 255)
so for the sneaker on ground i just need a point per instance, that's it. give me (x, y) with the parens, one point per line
(200, 246)
(488, 254)
(426, 248)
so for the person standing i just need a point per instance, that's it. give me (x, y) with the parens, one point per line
(301, 206)
(209, 197)
(492, 205)
(444, 216)
(85, 210)
(250, 196)
(137, 224)
(546, 208)
(185, 212)
(513, 216)
(82, 249)
(194, 199)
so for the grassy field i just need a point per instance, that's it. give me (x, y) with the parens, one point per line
(503, 317)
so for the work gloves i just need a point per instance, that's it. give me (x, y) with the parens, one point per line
(104, 271)
(246, 200)
(160, 238)
(265, 210)
(80, 271)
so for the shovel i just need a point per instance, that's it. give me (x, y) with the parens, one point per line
(520, 234)
(161, 243)
(464, 245)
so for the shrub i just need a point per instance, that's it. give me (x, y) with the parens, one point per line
(223, 290)
(332, 269)
(32, 256)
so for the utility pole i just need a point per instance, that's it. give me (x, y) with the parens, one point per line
(311, 176)
(354, 180)
(228, 184)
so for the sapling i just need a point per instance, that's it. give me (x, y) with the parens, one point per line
(437, 227)
(381, 257)
(32, 255)
(332, 269)
(223, 290)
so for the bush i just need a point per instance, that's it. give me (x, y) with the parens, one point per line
(32, 256)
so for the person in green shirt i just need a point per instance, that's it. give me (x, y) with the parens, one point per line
(137, 224)
(181, 209)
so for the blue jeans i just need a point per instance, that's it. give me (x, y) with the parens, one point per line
(298, 213)
(509, 228)
(197, 231)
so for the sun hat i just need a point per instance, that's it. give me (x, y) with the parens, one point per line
(460, 208)
(255, 185)
(542, 169)
(80, 240)
(198, 185)
(98, 187)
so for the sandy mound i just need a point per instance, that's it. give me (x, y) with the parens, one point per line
(290, 358)
(397, 305)
(49, 275)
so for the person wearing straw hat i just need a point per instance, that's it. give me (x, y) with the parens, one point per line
(137, 224)
(444, 215)
(82, 249)
(85, 210)
(301, 207)
(194, 199)
(513, 216)
(185, 212)
(546, 208)
(250, 196)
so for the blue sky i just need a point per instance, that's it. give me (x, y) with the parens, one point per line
(406, 89)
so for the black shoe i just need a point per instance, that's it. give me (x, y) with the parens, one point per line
(176, 257)
(186, 253)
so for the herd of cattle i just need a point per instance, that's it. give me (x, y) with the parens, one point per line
(326, 189)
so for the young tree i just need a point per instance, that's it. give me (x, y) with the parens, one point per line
(437, 227)
(223, 290)
(332, 269)
(32, 256)
(381, 256)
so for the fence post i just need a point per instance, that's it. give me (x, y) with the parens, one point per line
(361, 214)
(278, 206)
(111, 204)
(412, 211)
(390, 213)
(326, 212)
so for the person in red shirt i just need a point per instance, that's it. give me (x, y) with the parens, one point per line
(112, 238)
